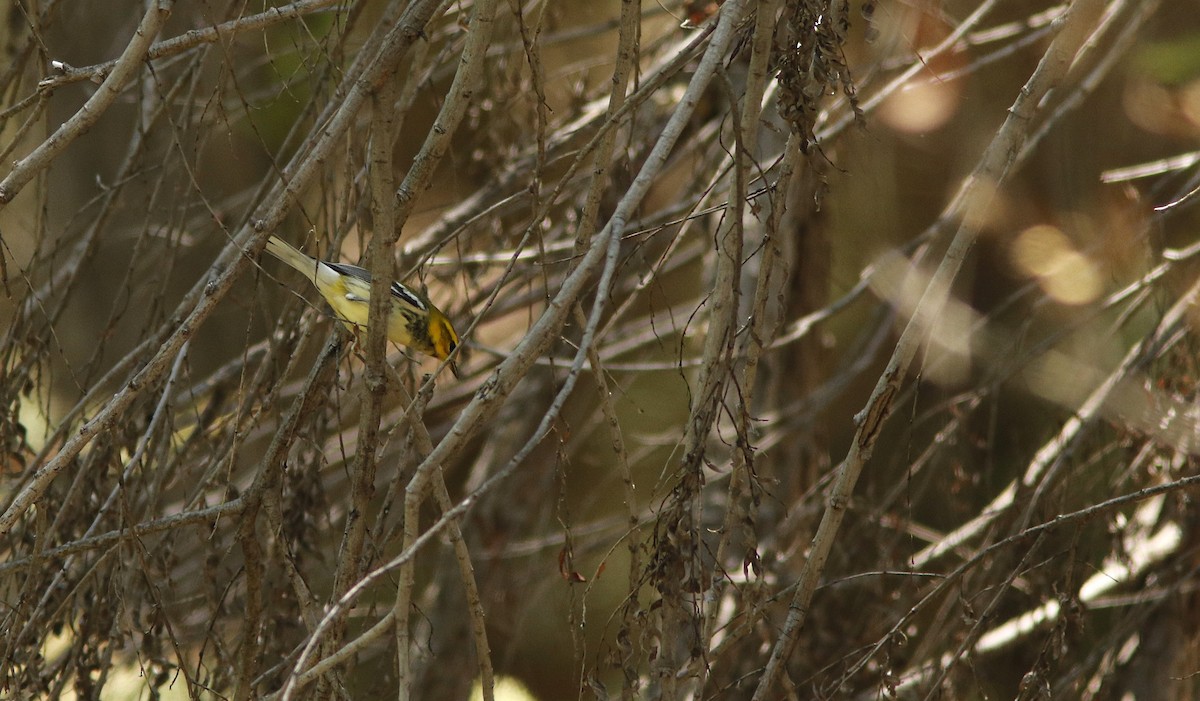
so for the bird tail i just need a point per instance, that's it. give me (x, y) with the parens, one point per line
(289, 254)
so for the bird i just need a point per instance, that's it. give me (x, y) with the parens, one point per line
(413, 320)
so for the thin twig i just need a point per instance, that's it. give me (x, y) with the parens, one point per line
(123, 70)
(993, 168)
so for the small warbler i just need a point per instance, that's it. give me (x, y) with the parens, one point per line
(413, 320)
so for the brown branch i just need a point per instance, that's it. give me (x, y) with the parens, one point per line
(67, 75)
(123, 70)
(993, 168)
(203, 299)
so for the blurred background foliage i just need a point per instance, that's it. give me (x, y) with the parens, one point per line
(614, 560)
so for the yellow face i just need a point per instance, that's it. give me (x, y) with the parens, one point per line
(442, 336)
(430, 333)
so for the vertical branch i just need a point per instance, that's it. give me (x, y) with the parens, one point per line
(678, 548)
(399, 207)
(737, 516)
(265, 480)
(374, 387)
(462, 554)
(994, 166)
(250, 646)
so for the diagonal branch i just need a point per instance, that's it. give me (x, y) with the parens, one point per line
(1075, 27)
(122, 71)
